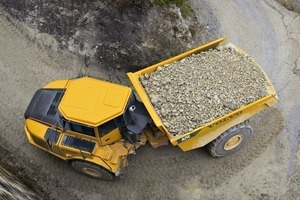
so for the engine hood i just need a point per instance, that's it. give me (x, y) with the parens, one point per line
(43, 106)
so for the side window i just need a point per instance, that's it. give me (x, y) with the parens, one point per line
(107, 127)
(80, 128)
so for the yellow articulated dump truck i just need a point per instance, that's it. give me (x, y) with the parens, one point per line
(202, 97)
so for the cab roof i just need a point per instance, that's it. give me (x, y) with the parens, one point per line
(92, 102)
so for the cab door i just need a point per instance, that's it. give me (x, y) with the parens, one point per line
(109, 132)
(52, 138)
(78, 140)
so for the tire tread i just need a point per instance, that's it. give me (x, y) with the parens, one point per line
(212, 145)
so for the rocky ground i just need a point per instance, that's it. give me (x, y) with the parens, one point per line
(292, 5)
(116, 34)
(201, 88)
(267, 168)
(12, 188)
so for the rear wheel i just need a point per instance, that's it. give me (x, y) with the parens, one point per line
(92, 170)
(231, 140)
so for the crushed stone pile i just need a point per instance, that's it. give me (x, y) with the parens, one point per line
(202, 87)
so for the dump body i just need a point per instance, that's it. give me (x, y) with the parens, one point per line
(203, 134)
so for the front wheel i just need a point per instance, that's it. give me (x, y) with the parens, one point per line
(92, 170)
(231, 140)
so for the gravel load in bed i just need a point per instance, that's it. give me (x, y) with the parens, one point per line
(202, 87)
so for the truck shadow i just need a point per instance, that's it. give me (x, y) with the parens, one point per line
(153, 173)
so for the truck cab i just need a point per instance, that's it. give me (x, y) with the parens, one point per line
(86, 119)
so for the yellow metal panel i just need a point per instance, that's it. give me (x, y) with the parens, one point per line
(114, 97)
(92, 102)
(118, 151)
(109, 157)
(100, 153)
(37, 130)
(108, 152)
(110, 137)
(85, 98)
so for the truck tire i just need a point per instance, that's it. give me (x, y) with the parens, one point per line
(92, 170)
(231, 140)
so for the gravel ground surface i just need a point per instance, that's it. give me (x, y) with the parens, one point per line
(12, 189)
(267, 168)
(202, 87)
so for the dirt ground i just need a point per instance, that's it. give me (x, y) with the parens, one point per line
(267, 168)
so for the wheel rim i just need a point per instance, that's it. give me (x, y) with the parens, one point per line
(91, 172)
(233, 142)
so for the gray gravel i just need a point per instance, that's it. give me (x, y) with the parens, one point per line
(202, 87)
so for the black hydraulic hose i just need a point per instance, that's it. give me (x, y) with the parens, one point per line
(130, 141)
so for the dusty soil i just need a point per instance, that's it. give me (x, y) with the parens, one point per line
(267, 168)
(117, 34)
(11, 188)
